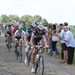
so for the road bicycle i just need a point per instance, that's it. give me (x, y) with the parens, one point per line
(19, 51)
(39, 60)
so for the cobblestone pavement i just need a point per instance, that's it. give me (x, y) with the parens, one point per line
(10, 66)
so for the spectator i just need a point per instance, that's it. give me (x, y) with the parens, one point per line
(70, 43)
(50, 43)
(63, 44)
(23, 26)
(54, 39)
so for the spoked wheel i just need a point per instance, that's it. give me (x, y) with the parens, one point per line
(39, 66)
(29, 58)
(9, 46)
(17, 54)
(20, 56)
(36, 67)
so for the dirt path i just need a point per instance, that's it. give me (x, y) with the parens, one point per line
(10, 66)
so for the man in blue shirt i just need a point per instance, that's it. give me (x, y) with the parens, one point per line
(63, 45)
(70, 43)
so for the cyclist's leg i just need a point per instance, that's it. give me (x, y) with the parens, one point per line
(20, 42)
(15, 44)
(26, 49)
(33, 56)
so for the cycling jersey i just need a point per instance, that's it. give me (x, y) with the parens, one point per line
(28, 33)
(35, 34)
(37, 37)
(18, 34)
(9, 31)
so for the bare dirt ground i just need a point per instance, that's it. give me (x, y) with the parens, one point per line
(10, 66)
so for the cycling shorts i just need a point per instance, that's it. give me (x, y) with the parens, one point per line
(37, 40)
(9, 33)
(18, 38)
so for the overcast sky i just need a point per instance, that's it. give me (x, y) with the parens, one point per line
(54, 11)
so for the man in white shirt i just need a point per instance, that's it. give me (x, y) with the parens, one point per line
(70, 43)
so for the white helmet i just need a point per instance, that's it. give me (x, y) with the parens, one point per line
(33, 24)
(40, 26)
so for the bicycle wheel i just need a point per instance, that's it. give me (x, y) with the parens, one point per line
(29, 58)
(9, 44)
(20, 55)
(17, 54)
(41, 66)
(36, 66)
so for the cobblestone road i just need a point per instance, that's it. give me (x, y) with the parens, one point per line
(10, 66)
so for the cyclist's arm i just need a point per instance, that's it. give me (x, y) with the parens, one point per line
(32, 39)
(5, 32)
(46, 37)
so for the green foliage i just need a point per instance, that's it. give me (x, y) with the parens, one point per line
(26, 18)
(44, 21)
(4, 18)
(37, 18)
(73, 31)
(13, 17)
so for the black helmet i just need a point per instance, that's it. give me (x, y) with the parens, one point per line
(9, 25)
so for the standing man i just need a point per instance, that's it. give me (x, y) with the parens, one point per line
(70, 43)
(63, 44)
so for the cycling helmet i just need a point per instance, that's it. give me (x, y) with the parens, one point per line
(33, 24)
(9, 25)
(40, 26)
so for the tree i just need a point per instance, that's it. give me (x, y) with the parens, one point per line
(4, 18)
(37, 18)
(44, 21)
(13, 17)
(26, 18)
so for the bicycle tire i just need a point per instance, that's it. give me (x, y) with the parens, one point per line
(20, 55)
(29, 58)
(40, 66)
(36, 67)
(17, 54)
(9, 44)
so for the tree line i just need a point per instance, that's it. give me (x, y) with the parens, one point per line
(27, 18)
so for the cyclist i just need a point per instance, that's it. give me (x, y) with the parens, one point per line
(18, 35)
(37, 37)
(27, 38)
(9, 32)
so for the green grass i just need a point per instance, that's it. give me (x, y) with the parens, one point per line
(73, 31)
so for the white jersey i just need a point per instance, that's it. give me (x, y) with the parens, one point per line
(18, 34)
(9, 29)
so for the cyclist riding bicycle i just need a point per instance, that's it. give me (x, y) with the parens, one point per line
(9, 32)
(37, 37)
(27, 38)
(18, 36)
